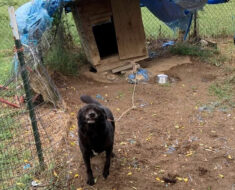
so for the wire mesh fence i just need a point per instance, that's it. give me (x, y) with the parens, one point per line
(19, 165)
(214, 21)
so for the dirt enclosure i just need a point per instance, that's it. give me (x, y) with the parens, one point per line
(179, 136)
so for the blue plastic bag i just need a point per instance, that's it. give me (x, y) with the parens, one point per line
(33, 18)
(140, 76)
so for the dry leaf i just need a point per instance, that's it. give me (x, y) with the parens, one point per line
(185, 179)
(158, 179)
(55, 174)
(189, 153)
(220, 175)
(72, 113)
(179, 178)
(177, 126)
(72, 127)
(130, 173)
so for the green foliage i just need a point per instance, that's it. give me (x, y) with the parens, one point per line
(5, 65)
(209, 55)
(64, 60)
(222, 91)
(64, 56)
(192, 50)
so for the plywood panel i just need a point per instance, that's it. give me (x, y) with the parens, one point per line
(129, 28)
(86, 14)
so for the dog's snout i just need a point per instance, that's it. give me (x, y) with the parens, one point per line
(92, 115)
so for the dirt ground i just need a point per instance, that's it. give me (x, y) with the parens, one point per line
(179, 136)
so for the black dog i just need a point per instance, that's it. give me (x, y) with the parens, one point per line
(96, 134)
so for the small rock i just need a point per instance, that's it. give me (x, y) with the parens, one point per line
(111, 77)
(204, 43)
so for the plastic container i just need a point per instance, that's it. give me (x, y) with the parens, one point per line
(162, 79)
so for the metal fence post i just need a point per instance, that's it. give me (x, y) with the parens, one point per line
(27, 88)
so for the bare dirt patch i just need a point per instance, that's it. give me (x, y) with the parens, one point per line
(168, 142)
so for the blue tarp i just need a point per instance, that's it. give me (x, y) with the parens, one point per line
(169, 12)
(34, 17)
(191, 5)
(217, 1)
(176, 13)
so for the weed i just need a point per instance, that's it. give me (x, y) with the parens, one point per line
(222, 91)
(209, 55)
(64, 56)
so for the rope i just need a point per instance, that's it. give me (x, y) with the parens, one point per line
(133, 95)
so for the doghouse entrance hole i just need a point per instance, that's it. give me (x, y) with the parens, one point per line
(105, 39)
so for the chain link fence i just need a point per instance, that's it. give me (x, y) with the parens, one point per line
(31, 127)
(214, 21)
(19, 165)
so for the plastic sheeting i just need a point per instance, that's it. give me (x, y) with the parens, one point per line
(140, 76)
(176, 13)
(33, 18)
(191, 4)
(217, 1)
(169, 12)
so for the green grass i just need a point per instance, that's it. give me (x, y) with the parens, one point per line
(216, 20)
(12, 154)
(222, 91)
(209, 55)
(5, 67)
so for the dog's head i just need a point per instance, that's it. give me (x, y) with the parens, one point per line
(92, 113)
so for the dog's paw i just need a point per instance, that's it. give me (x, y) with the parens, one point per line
(105, 173)
(90, 181)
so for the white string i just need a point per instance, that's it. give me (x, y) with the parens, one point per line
(132, 98)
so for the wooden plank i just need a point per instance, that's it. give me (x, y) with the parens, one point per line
(86, 14)
(129, 28)
(104, 16)
(86, 35)
(123, 68)
(114, 62)
(82, 33)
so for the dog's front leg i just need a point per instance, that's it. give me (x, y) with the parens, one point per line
(90, 178)
(107, 162)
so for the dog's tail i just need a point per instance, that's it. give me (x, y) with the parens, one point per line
(89, 100)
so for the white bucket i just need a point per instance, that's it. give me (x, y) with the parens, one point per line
(162, 78)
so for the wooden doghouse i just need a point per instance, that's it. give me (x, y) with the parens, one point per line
(111, 32)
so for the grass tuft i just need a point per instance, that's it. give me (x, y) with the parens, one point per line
(209, 55)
